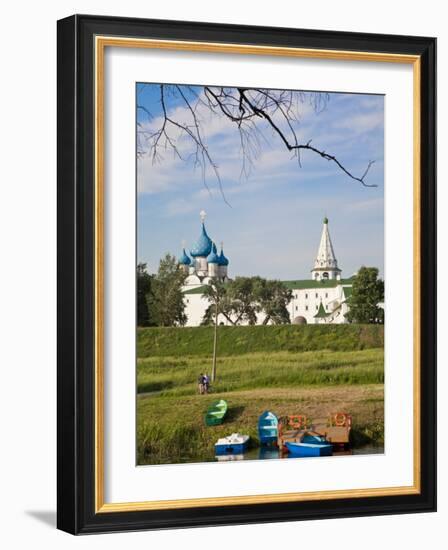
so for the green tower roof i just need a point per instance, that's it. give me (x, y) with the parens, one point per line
(321, 312)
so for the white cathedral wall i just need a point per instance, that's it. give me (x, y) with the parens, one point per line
(195, 307)
(192, 281)
(304, 303)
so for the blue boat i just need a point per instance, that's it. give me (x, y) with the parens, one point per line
(268, 428)
(233, 444)
(311, 445)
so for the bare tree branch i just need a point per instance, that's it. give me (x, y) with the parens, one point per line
(297, 147)
(244, 107)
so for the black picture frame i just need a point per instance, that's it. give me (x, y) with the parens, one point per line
(76, 253)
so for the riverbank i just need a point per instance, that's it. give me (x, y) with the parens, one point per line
(171, 431)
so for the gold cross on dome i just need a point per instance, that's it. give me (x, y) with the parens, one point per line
(202, 214)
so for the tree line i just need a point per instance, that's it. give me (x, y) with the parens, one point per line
(161, 302)
(367, 294)
(241, 301)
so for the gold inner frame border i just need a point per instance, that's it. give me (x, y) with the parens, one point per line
(101, 42)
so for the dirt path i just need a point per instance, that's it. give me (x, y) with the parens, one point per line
(149, 393)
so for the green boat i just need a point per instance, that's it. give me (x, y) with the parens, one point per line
(215, 413)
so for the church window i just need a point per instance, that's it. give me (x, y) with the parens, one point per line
(297, 308)
(317, 296)
(306, 308)
(306, 296)
(326, 295)
(317, 307)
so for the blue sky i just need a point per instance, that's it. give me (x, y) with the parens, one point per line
(273, 224)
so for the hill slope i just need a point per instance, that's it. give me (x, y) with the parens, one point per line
(197, 341)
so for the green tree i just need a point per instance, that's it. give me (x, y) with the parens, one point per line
(273, 298)
(367, 293)
(236, 300)
(244, 304)
(220, 301)
(144, 293)
(166, 302)
(242, 299)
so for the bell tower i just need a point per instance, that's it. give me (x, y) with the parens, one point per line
(325, 264)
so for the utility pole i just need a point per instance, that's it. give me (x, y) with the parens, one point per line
(215, 341)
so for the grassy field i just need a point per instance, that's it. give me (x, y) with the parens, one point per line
(310, 370)
(194, 341)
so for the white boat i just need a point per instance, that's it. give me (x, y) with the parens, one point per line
(233, 444)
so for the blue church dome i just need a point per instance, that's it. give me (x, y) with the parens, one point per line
(203, 245)
(184, 259)
(222, 259)
(213, 257)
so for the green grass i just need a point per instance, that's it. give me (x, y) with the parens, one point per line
(177, 376)
(198, 341)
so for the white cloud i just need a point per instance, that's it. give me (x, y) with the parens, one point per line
(180, 206)
(361, 123)
(370, 205)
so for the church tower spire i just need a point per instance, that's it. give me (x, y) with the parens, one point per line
(325, 264)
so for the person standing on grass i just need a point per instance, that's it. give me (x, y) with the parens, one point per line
(201, 383)
(206, 383)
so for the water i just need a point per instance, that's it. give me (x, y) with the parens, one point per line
(270, 453)
(263, 453)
